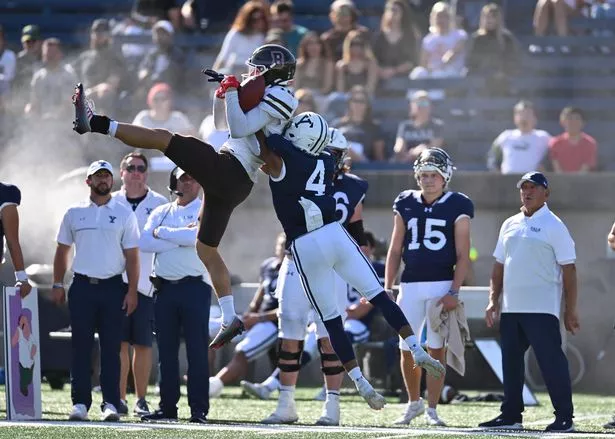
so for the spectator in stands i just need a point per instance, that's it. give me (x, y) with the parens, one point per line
(522, 149)
(363, 133)
(28, 62)
(161, 114)
(164, 62)
(344, 17)
(421, 130)
(275, 35)
(315, 70)
(282, 16)
(358, 65)
(149, 12)
(558, 10)
(7, 67)
(247, 33)
(49, 84)
(573, 150)
(443, 49)
(396, 44)
(101, 67)
(493, 51)
(603, 9)
(306, 100)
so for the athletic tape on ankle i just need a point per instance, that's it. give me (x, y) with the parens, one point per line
(112, 128)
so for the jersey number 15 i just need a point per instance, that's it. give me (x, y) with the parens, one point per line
(432, 239)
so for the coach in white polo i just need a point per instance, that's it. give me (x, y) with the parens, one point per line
(534, 256)
(106, 237)
(139, 326)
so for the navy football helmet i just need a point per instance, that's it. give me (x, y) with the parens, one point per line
(276, 63)
(435, 159)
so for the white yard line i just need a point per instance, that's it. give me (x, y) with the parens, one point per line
(389, 433)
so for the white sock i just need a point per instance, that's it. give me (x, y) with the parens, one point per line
(227, 305)
(413, 343)
(355, 374)
(271, 383)
(333, 395)
(287, 392)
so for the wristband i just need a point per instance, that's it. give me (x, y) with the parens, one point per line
(453, 293)
(112, 128)
(58, 285)
(21, 276)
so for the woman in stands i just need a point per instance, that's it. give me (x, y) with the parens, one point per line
(493, 50)
(443, 49)
(363, 133)
(358, 65)
(306, 101)
(396, 44)
(315, 69)
(248, 32)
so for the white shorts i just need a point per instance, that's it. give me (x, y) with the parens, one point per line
(294, 311)
(357, 331)
(319, 255)
(257, 341)
(414, 300)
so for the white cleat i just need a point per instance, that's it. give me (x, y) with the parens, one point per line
(215, 387)
(78, 413)
(374, 399)
(431, 417)
(330, 413)
(256, 390)
(432, 367)
(413, 409)
(109, 413)
(285, 412)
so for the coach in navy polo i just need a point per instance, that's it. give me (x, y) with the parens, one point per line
(106, 238)
(182, 298)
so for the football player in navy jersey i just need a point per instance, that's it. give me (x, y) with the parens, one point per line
(10, 198)
(301, 182)
(431, 233)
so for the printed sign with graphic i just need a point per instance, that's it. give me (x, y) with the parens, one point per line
(22, 355)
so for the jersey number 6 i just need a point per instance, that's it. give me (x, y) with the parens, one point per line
(432, 239)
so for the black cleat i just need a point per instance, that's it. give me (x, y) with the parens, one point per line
(159, 416)
(198, 419)
(227, 333)
(83, 111)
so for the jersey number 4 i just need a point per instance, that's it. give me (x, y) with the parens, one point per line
(432, 239)
(316, 182)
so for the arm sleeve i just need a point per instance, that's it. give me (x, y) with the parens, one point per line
(130, 239)
(147, 242)
(65, 234)
(219, 113)
(242, 124)
(563, 245)
(182, 236)
(499, 254)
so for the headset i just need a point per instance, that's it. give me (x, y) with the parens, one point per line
(172, 187)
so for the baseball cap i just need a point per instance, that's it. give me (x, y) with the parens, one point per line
(101, 25)
(537, 178)
(164, 25)
(31, 32)
(98, 165)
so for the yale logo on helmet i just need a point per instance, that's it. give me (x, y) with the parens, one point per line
(305, 119)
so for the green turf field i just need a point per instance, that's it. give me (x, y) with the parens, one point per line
(235, 417)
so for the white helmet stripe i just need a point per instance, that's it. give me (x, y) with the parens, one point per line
(321, 141)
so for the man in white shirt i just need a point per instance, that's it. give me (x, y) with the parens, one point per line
(106, 238)
(520, 150)
(535, 257)
(183, 297)
(139, 326)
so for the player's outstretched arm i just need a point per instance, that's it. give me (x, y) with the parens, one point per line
(242, 124)
(273, 162)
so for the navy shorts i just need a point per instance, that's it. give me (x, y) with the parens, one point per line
(139, 326)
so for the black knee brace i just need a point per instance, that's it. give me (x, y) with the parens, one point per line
(285, 355)
(329, 370)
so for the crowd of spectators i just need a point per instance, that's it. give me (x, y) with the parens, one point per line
(340, 73)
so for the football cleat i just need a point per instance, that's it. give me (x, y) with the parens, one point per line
(255, 389)
(83, 111)
(227, 333)
(413, 409)
(432, 366)
(374, 399)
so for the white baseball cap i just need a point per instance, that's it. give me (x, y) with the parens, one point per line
(98, 165)
(164, 25)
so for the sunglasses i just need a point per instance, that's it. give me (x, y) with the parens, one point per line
(141, 169)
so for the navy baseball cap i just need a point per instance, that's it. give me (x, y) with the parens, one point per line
(537, 178)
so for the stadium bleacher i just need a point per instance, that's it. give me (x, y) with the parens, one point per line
(582, 75)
